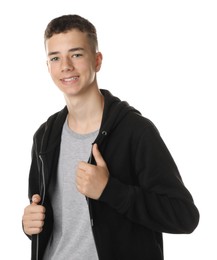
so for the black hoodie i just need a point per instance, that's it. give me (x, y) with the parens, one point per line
(144, 197)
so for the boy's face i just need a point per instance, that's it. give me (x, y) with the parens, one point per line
(71, 62)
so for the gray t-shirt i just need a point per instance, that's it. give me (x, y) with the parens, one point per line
(72, 237)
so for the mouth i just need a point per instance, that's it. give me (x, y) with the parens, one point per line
(71, 79)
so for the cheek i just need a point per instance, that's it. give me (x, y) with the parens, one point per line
(54, 74)
(52, 70)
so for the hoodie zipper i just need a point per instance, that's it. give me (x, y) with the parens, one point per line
(88, 199)
(90, 210)
(42, 202)
(43, 181)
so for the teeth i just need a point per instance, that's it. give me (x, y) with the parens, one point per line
(71, 79)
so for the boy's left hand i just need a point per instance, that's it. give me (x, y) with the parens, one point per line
(92, 179)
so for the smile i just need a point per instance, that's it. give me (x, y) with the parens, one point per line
(70, 79)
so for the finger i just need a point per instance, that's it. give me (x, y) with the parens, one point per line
(98, 157)
(36, 199)
(33, 227)
(33, 231)
(82, 166)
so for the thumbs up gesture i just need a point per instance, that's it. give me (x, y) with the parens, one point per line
(92, 179)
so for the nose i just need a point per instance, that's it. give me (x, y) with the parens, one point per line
(66, 65)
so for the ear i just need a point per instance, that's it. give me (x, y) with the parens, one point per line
(98, 61)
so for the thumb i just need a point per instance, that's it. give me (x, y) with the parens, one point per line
(98, 157)
(36, 199)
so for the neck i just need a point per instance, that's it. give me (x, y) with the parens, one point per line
(85, 113)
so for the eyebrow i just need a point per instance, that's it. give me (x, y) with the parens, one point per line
(70, 50)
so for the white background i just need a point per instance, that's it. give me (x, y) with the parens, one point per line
(160, 56)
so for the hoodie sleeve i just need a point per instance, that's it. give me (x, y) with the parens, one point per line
(160, 201)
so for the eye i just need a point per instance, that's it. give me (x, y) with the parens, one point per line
(76, 55)
(54, 59)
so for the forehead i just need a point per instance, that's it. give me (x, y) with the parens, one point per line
(67, 40)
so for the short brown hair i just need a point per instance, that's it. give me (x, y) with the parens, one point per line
(66, 23)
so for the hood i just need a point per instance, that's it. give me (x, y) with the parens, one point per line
(114, 111)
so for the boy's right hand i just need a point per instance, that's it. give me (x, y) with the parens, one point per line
(33, 216)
